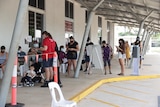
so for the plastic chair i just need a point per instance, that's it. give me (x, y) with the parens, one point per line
(53, 86)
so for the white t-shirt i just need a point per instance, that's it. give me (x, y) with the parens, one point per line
(31, 73)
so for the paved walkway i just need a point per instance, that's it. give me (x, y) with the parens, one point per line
(141, 93)
(73, 88)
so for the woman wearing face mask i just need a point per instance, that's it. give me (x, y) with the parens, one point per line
(3, 58)
(121, 54)
(72, 49)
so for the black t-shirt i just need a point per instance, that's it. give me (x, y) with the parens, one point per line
(73, 46)
(72, 53)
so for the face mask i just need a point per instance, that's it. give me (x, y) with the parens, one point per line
(2, 51)
(63, 50)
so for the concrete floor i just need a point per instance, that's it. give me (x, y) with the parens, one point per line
(40, 97)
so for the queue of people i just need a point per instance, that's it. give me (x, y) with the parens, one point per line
(67, 58)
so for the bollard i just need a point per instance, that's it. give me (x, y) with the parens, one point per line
(14, 85)
(14, 88)
(55, 70)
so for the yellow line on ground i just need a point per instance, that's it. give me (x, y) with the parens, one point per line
(124, 96)
(94, 86)
(113, 105)
(130, 89)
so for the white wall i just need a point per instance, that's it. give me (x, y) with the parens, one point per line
(104, 29)
(55, 20)
(79, 23)
(8, 9)
(94, 30)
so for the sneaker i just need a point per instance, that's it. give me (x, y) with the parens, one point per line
(20, 85)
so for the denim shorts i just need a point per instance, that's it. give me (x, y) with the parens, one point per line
(48, 63)
(87, 58)
(107, 62)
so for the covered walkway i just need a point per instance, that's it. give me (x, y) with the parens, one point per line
(86, 84)
(142, 13)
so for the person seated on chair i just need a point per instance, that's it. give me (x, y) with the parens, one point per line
(32, 55)
(21, 55)
(28, 76)
(3, 58)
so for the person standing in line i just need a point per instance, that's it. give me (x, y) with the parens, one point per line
(128, 56)
(48, 47)
(121, 54)
(88, 51)
(107, 56)
(3, 58)
(58, 72)
(139, 43)
(72, 49)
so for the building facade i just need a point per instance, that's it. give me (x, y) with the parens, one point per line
(62, 18)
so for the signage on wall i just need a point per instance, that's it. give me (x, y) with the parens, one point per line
(68, 26)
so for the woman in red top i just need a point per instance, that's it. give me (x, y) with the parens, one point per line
(48, 47)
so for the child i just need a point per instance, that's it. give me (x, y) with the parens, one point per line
(62, 59)
(28, 77)
(107, 56)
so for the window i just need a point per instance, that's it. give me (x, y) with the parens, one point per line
(35, 22)
(100, 29)
(99, 21)
(69, 9)
(37, 3)
(32, 3)
(39, 21)
(31, 23)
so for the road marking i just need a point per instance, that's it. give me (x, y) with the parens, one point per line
(142, 85)
(113, 105)
(129, 89)
(124, 96)
(137, 84)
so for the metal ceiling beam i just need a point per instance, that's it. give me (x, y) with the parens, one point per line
(142, 23)
(103, 11)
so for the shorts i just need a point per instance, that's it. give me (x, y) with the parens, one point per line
(72, 55)
(107, 62)
(121, 56)
(48, 63)
(87, 58)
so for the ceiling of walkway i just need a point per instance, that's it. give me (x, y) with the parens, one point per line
(127, 12)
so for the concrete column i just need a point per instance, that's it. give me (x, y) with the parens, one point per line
(84, 41)
(144, 50)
